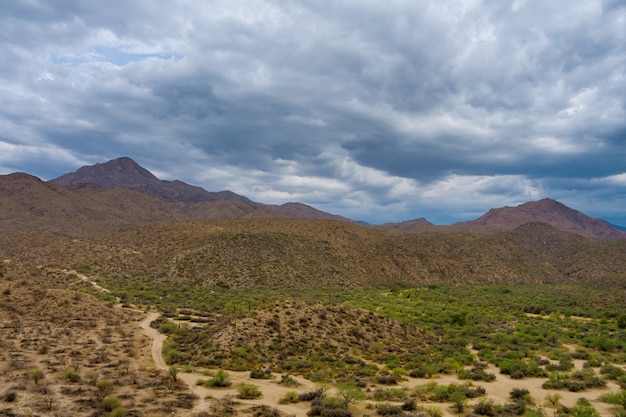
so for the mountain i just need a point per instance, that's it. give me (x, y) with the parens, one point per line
(407, 224)
(126, 173)
(29, 204)
(127, 234)
(120, 193)
(293, 210)
(196, 202)
(547, 211)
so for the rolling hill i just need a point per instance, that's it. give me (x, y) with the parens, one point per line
(118, 221)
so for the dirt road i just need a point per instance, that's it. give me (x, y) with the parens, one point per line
(157, 341)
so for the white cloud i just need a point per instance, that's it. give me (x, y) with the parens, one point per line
(380, 110)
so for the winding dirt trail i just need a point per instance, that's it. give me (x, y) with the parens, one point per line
(157, 340)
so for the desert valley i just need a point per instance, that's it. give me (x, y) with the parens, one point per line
(125, 295)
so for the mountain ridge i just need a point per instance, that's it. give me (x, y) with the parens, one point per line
(126, 173)
(188, 202)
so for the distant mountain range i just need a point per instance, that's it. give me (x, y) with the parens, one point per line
(121, 193)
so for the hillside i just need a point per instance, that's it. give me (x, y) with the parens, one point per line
(550, 212)
(129, 236)
(27, 203)
(315, 253)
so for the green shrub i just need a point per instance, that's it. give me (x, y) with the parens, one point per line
(260, 374)
(71, 376)
(387, 379)
(519, 393)
(434, 412)
(329, 407)
(110, 403)
(248, 391)
(612, 372)
(288, 381)
(290, 397)
(486, 408)
(381, 394)
(220, 380)
(389, 410)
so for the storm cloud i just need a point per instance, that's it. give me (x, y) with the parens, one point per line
(378, 111)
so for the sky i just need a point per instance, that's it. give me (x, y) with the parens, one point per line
(380, 111)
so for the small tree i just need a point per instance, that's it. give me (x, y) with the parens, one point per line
(350, 393)
(220, 380)
(103, 388)
(583, 409)
(459, 401)
(36, 374)
(173, 372)
(554, 399)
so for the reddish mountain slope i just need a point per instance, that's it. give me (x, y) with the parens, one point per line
(126, 173)
(27, 203)
(550, 212)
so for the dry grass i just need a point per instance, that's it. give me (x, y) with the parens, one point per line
(82, 351)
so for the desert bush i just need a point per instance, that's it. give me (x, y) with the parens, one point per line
(291, 397)
(264, 411)
(36, 374)
(312, 395)
(612, 372)
(288, 381)
(486, 408)
(554, 398)
(110, 403)
(329, 407)
(10, 396)
(419, 372)
(583, 409)
(515, 408)
(220, 380)
(616, 398)
(92, 378)
(409, 405)
(459, 401)
(248, 391)
(389, 410)
(387, 379)
(71, 376)
(434, 412)
(519, 393)
(389, 394)
(104, 387)
(260, 374)
(476, 374)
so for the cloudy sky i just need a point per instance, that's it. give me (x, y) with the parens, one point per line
(376, 110)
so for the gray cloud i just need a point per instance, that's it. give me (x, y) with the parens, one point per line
(376, 111)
